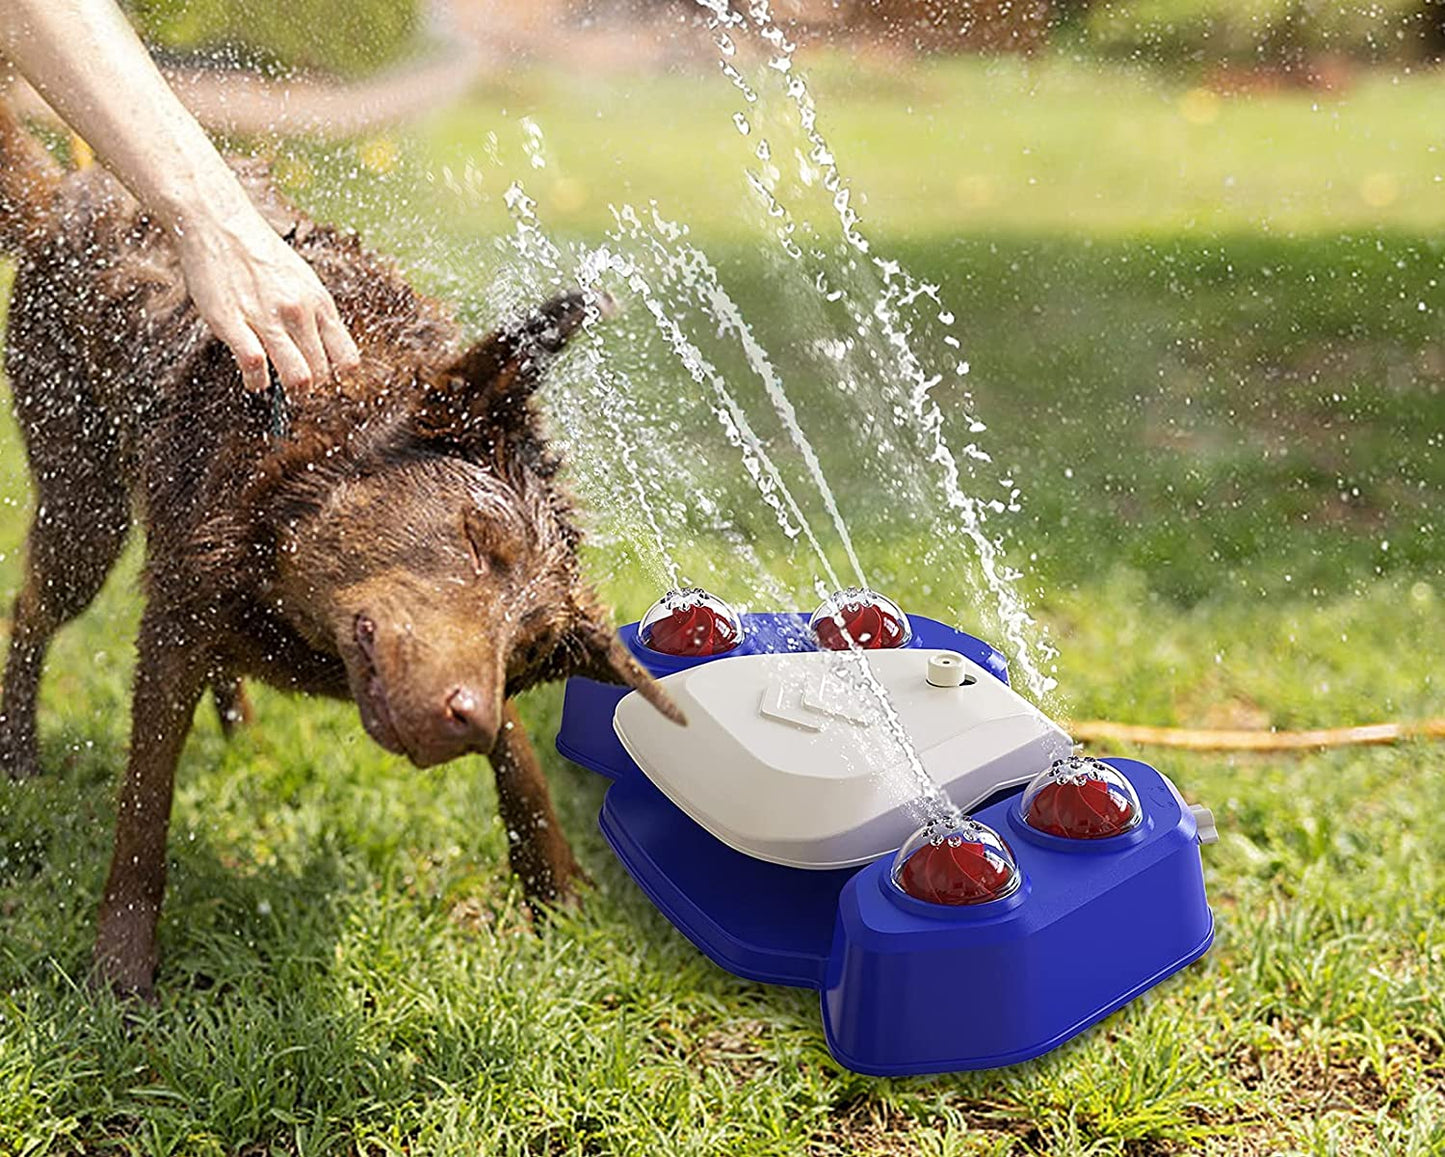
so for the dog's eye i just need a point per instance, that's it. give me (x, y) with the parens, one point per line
(534, 619)
(365, 630)
(490, 552)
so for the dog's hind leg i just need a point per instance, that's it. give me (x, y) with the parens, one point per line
(233, 706)
(537, 848)
(171, 674)
(81, 518)
(81, 508)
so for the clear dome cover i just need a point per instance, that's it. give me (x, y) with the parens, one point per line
(956, 862)
(691, 623)
(1081, 799)
(870, 620)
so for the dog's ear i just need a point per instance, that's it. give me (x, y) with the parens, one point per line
(483, 398)
(608, 661)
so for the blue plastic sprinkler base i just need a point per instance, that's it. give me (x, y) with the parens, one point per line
(908, 987)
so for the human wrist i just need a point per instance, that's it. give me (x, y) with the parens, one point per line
(199, 204)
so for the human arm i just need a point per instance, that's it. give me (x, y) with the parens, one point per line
(253, 290)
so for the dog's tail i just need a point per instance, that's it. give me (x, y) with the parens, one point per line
(28, 179)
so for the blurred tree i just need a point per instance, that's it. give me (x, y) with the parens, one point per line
(930, 25)
(1435, 28)
(946, 25)
(1284, 35)
(913, 25)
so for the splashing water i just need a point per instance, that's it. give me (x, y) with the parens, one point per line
(658, 408)
(880, 313)
(884, 750)
(689, 266)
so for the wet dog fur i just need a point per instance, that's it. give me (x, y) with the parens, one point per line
(406, 544)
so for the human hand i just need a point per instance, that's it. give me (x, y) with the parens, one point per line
(253, 290)
(261, 299)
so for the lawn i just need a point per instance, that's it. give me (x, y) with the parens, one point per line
(1210, 352)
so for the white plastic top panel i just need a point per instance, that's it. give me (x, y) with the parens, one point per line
(790, 757)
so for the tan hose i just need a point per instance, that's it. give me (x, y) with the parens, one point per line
(1193, 739)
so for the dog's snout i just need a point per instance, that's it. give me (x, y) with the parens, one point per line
(470, 718)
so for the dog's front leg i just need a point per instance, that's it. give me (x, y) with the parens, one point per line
(170, 677)
(536, 846)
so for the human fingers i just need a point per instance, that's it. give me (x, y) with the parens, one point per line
(301, 325)
(291, 366)
(339, 345)
(250, 355)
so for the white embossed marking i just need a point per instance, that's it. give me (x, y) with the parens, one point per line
(782, 702)
(829, 695)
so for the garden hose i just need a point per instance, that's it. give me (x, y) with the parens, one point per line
(1198, 739)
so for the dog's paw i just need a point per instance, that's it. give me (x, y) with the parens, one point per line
(555, 885)
(233, 706)
(125, 957)
(19, 754)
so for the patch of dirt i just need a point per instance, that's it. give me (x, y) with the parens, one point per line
(866, 1127)
(474, 915)
(1318, 1085)
(1299, 1084)
(736, 1048)
(1211, 703)
(1152, 1147)
(1233, 713)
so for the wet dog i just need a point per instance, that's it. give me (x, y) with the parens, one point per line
(403, 541)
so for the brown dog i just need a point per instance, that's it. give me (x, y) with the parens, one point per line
(405, 545)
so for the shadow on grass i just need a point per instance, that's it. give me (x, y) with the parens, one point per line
(324, 984)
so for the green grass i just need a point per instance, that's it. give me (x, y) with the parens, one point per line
(347, 963)
(947, 145)
(1247, 417)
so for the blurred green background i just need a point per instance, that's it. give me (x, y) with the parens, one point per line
(1194, 250)
(346, 40)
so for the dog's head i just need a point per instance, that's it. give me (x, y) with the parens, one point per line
(441, 563)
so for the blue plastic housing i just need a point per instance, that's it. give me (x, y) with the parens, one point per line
(907, 986)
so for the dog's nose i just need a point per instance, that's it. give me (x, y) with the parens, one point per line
(470, 719)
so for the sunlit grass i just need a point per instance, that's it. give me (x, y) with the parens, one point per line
(1215, 436)
(347, 964)
(966, 144)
